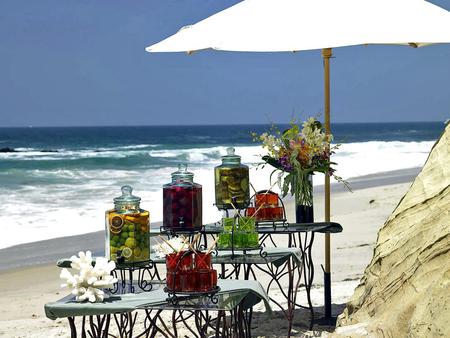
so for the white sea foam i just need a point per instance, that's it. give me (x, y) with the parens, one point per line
(25, 149)
(63, 154)
(195, 156)
(76, 200)
(137, 146)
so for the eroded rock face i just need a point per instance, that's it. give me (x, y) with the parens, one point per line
(405, 290)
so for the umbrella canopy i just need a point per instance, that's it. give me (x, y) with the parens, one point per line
(294, 25)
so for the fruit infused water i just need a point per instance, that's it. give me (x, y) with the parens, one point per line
(232, 182)
(238, 236)
(266, 199)
(182, 202)
(190, 272)
(127, 230)
(267, 207)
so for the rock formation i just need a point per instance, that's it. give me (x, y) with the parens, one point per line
(405, 290)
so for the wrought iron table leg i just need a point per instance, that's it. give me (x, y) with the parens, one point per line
(98, 326)
(291, 303)
(73, 328)
(308, 270)
(130, 277)
(152, 329)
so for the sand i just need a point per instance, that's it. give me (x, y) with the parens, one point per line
(29, 277)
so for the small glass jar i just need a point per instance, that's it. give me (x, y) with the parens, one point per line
(182, 202)
(266, 199)
(188, 281)
(247, 223)
(232, 182)
(179, 261)
(127, 229)
(203, 261)
(204, 280)
(173, 280)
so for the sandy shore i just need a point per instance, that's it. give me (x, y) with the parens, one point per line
(361, 213)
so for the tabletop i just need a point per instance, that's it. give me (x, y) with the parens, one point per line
(232, 293)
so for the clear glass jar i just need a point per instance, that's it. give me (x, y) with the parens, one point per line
(127, 229)
(232, 182)
(182, 202)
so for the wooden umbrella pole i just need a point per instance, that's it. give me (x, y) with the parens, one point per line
(327, 54)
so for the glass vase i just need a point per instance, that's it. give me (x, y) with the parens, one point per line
(304, 211)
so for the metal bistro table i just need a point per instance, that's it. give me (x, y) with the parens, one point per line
(281, 265)
(117, 316)
(299, 235)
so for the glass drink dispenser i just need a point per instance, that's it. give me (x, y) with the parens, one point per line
(182, 202)
(232, 182)
(127, 229)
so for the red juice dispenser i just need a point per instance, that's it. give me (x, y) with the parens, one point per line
(182, 202)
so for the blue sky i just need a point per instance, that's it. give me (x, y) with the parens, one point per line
(83, 63)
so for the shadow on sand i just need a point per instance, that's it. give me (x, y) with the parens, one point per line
(277, 325)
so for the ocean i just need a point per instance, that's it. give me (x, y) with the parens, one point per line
(59, 181)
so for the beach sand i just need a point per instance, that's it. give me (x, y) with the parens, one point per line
(29, 277)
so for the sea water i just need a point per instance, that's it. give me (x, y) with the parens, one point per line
(60, 181)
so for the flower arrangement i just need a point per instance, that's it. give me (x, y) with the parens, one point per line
(297, 153)
(89, 282)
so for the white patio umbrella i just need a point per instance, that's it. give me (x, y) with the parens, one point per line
(295, 25)
(298, 25)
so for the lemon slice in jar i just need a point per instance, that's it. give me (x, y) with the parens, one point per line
(115, 231)
(116, 221)
(116, 224)
(127, 252)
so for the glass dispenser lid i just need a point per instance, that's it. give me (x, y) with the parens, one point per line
(182, 174)
(127, 196)
(231, 157)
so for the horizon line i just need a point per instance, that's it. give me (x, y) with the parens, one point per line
(207, 125)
